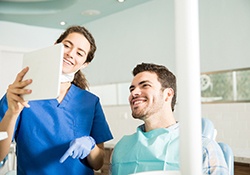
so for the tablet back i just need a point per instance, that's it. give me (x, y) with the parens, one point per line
(45, 68)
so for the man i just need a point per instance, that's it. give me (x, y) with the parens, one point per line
(155, 145)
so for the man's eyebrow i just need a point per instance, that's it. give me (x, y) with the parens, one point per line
(131, 87)
(145, 81)
(142, 82)
(78, 47)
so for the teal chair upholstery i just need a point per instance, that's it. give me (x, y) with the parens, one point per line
(208, 131)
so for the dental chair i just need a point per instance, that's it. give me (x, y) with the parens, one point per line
(2, 163)
(209, 131)
(10, 161)
(229, 157)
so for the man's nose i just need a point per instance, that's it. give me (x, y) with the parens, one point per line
(136, 92)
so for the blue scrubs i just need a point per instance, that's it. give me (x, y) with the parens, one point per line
(44, 131)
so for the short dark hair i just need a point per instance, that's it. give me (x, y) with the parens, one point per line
(165, 77)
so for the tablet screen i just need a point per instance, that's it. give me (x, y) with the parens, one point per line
(45, 68)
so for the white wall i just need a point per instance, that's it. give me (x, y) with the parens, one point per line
(10, 64)
(225, 36)
(144, 33)
(232, 122)
(26, 37)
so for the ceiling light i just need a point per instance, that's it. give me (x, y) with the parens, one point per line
(91, 12)
(120, 0)
(62, 23)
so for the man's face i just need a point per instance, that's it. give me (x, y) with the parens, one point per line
(146, 96)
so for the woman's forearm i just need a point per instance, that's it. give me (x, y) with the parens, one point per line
(96, 157)
(7, 125)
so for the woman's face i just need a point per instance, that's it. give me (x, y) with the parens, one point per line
(76, 49)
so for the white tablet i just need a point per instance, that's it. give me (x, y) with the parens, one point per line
(45, 68)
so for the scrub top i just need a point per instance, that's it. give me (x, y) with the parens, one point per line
(44, 131)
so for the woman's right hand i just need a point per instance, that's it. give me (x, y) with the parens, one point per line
(15, 91)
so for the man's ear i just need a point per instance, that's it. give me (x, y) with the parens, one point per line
(168, 93)
(84, 65)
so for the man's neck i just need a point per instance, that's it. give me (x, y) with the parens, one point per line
(155, 122)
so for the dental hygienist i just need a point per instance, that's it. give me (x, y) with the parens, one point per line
(58, 136)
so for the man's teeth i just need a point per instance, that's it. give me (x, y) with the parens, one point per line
(137, 102)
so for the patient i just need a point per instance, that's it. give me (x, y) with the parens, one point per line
(155, 145)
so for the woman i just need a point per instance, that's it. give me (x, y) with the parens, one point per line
(58, 136)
